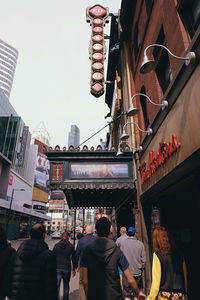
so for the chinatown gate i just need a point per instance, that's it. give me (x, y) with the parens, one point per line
(94, 179)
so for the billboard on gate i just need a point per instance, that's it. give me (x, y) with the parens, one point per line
(99, 170)
(41, 177)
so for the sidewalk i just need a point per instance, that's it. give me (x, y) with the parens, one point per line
(74, 287)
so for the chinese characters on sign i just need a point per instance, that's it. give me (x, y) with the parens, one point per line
(97, 16)
(57, 172)
(156, 159)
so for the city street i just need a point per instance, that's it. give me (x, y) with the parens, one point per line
(74, 291)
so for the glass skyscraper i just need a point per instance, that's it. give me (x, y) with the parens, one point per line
(8, 61)
(74, 136)
(6, 109)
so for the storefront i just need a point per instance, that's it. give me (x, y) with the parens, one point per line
(19, 220)
(170, 175)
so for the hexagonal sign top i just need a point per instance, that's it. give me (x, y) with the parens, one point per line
(97, 11)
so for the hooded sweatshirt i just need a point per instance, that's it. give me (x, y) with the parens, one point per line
(64, 252)
(102, 259)
(32, 272)
(5, 256)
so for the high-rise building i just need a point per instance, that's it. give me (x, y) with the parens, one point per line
(8, 61)
(74, 136)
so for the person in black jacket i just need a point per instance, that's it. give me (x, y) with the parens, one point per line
(6, 252)
(100, 262)
(32, 270)
(64, 252)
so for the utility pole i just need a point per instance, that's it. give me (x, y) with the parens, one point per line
(83, 220)
(74, 226)
(142, 226)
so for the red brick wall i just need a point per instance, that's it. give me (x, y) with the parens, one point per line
(164, 13)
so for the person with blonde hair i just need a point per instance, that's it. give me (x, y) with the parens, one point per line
(169, 278)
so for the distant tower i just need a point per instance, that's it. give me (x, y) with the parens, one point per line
(40, 133)
(8, 61)
(74, 136)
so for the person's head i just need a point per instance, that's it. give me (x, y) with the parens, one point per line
(131, 231)
(37, 232)
(3, 238)
(103, 227)
(123, 230)
(111, 229)
(65, 236)
(162, 241)
(88, 229)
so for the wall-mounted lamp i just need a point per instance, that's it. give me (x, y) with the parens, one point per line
(125, 136)
(132, 110)
(149, 64)
(120, 150)
(163, 104)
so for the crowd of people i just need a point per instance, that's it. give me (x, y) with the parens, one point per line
(109, 268)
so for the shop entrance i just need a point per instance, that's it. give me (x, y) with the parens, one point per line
(174, 202)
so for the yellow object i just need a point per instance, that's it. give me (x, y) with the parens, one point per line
(156, 275)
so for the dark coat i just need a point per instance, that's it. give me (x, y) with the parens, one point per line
(102, 258)
(5, 256)
(64, 252)
(32, 272)
(82, 244)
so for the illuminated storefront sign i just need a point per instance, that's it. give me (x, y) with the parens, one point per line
(56, 204)
(97, 16)
(97, 170)
(156, 159)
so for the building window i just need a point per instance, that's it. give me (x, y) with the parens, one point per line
(143, 102)
(149, 4)
(189, 12)
(162, 69)
(137, 43)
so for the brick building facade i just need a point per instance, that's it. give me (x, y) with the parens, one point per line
(167, 169)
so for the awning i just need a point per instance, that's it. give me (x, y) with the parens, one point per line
(96, 178)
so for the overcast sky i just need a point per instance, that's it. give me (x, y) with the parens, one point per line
(52, 77)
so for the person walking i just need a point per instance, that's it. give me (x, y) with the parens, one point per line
(32, 269)
(123, 236)
(112, 235)
(64, 252)
(101, 260)
(82, 244)
(6, 252)
(135, 253)
(169, 275)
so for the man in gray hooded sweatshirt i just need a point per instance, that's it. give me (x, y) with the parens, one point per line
(101, 260)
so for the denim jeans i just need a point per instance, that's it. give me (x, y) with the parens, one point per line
(64, 275)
